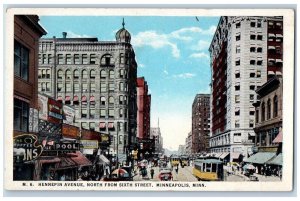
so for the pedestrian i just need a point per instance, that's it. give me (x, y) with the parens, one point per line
(152, 173)
(176, 169)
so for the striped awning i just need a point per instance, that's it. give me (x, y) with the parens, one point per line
(224, 155)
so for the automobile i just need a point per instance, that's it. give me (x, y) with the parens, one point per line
(120, 174)
(165, 175)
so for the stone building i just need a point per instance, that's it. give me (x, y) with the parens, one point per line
(98, 78)
(200, 123)
(244, 52)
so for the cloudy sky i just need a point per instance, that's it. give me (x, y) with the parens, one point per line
(172, 55)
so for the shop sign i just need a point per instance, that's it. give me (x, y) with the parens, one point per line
(33, 120)
(69, 115)
(70, 131)
(43, 107)
(66, 146)
(90, 135)
(89, 144)
(54, 111)
(26, 147)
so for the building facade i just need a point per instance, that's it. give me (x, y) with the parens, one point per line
(244, 52)
(200, 123)
(143, 106)
(158, 140)
(188, 144)
(26, 35)
(98, 78)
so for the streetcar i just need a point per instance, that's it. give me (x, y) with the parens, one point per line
(184, 160)
(208, 169)
(174, 160)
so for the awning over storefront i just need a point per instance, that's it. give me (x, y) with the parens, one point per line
(66, 163)
(103, 160)
(260, 157)
(277, 160)
(278, 138)
(80, 159)
(49, 160)
(224, 155)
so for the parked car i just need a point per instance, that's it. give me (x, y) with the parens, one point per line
(165, 174)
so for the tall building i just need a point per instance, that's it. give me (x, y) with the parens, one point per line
(244, 52)
(181, 149)
(188, 144)
(158, 140)
(98, 78)
(200, 123)
(27, 32)
(143, 106)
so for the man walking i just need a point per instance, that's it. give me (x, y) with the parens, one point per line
(152, 173)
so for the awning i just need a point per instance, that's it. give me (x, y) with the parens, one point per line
(102, 125)
(279, 36)
(237, 84)
(279, 60)
(277, 160)
(68, 98)
(278, 73)
(103, 160)
(278, 138)
(92, 99)
(271, 47)
(66, 163)
(110, 125)
(271, 35)
(83, 98)
(75, 98)
(217, 155)
(271, 59)
(80, 159)
(271, 73)
(49, 160)
(260, 157)
(252, 109)
(237, 109)
(235, 155)
(224, 155)
(59, 98)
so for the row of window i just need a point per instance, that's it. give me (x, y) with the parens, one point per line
(237, 87)
(238, 100)
(258, 62)
(84, 74)
(252, 74)
(110, 113)
(21, 61)
(44, 73)
(271, 106)
(237, 123)
(91, 88)
(253, 24)
(252, 37)
(44, 86)
(105, 127)
(111, 100)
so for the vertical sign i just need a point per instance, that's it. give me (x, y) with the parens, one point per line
(43, 107)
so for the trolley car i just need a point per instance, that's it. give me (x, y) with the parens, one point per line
(174, 160)
(208, 169)
(184, 160)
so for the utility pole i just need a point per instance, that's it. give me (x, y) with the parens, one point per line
(117, 144)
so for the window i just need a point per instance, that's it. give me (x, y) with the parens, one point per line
(237, 98)
(251, 123)
(84, 87)
(263, 111)
(125, 113)
(121, 112)
(238, 49)
(251, 97)
(76, 87)
(252, 24)
(102, 100)
(68, 87)
(85, 59)
(120, 139)
(59, 74)
(269, 109)
(259, 62)
(102, 113)
(92, 74)
(92, 113)
(252, 62)
(21, 115)
(259, 24)
(102, 87)
(237, 74)
(259, 37)
(106, 60)
(238, 25)
(60, 59)
(21, 61)
(40, 58)
(252, 74)
(84, 74)
(122, 58)
(111, 87)
(252, 37)
(59, 87)
(238, 62)
(111, 100)
(257, 116)
(237, 137)
(76, 59)
(237, 124)
(92, 126)
(252, 111)
(48, 86)
(121, 73)
(121, 86)
(44, 59)
(93, 87)
(275, 106)
(238, 37)
(102, 74)
(252, 49)
(76, 74)
(92, 59)
(258, 73)
(68, 59)
(237, 87)
(111, 74)
(121, 100)
(83, 113)
(43, 86)
(259, 49)
(84, 125)
(68, 75)
(111, 113)
(252, 87)
(237, 111)
(48, 73)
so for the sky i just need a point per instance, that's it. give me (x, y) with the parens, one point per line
(172, 55)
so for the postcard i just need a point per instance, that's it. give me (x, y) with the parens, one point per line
(149, 99)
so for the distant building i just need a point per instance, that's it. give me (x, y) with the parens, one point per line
(98, 78)
(143, 109)
(245, 52)
(188, 144)
(158, 140)
(181, 149)
(200, 123)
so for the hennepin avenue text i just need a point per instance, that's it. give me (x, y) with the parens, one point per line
(82, 113)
